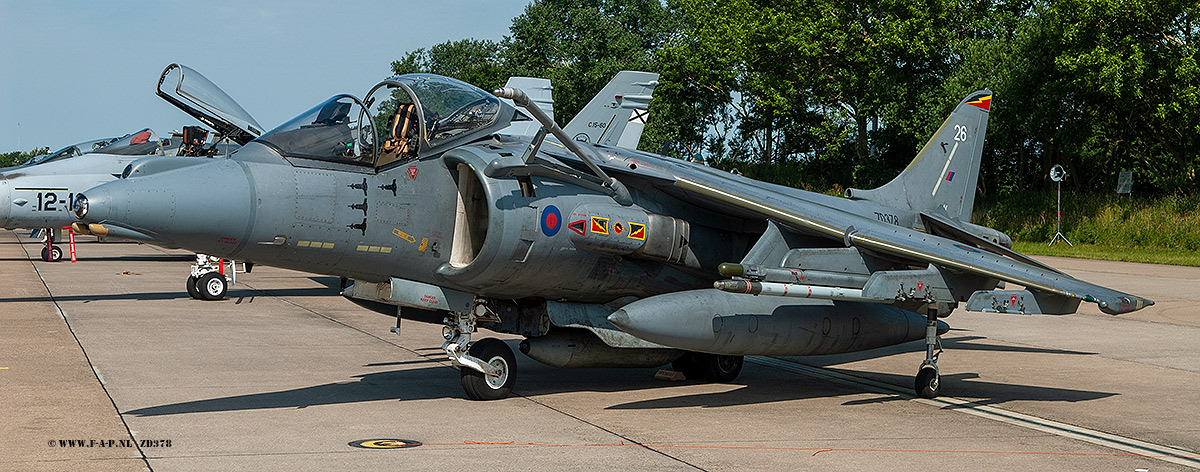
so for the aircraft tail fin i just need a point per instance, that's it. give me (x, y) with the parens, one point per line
(946, 171)
(617, 115)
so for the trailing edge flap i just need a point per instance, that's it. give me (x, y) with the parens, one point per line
(948, 228)
(868, 234)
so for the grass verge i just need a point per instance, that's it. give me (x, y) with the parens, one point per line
(1125, 254)
(1157, 230)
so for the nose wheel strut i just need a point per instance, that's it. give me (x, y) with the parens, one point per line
(206, 281)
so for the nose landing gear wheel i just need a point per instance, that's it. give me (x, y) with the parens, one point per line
(52, 255)
(928, 382)
(211, 286)
(191, 287)
(480, 386)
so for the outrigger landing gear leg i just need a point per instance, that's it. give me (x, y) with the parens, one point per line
(488, 366)
(929, 379)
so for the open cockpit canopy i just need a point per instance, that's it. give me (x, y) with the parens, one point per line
(193, 93)
(336, 130)
(403, 118)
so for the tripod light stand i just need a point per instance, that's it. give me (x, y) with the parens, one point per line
(1056, 174)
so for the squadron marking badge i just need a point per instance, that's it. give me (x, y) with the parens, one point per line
(578, 226)
(599, 225)
(637, 231)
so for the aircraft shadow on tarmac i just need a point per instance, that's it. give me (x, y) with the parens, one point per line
(152, 258)
(757, 385)
(950, 344)
(760, 389)
(964, 385)
(399, 384)
(235, 295)
(85, 259)
(409, 384)
(108, 296)
(417, 383)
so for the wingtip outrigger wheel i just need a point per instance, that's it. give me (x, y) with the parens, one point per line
(928, 382)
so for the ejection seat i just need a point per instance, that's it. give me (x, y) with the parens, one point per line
(402, 136)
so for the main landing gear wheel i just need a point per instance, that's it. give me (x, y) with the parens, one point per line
(211, 286)
(928, 382)
(710, 367)
(191, 287)
(480, 386)
(54, 254)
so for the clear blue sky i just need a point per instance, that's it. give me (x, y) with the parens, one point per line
(71, 71)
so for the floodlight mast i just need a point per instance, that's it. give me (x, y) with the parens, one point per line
(1057, 173)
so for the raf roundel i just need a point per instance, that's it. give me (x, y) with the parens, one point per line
(551, 221)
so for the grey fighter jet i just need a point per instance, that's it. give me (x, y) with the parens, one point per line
(67, 152)
(597, 255)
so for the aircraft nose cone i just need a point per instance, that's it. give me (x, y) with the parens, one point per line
(94, 205)
(205, 207)
(5, 201)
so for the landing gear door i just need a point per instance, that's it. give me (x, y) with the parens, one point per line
(191, 92)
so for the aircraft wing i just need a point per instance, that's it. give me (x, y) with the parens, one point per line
(1049, 291)
(867, 234)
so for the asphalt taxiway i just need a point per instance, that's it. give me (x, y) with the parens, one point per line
(107, 364)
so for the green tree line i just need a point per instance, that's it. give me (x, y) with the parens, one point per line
(832, 93)
(9, 159)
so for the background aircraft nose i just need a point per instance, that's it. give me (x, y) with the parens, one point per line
(5, 201)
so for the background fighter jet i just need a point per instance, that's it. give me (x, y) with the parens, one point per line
(67, 152)
(37, 195)
(597, 255)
